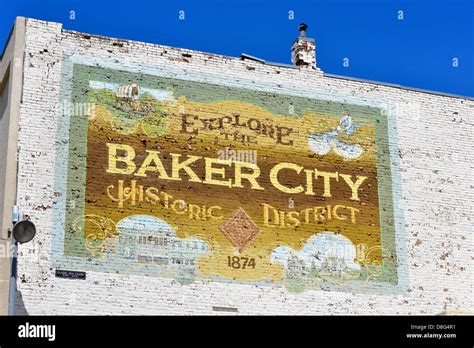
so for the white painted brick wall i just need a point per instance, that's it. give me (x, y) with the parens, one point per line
(434, 136)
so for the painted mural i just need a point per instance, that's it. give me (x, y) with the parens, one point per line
(200, 182)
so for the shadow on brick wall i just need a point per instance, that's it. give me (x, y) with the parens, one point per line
(20, 308)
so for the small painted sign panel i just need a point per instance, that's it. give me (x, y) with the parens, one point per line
(61, 273)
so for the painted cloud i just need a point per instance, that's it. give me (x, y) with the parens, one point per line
(321, 144)
(326, 252)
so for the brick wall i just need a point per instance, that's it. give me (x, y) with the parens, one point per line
(431, 172)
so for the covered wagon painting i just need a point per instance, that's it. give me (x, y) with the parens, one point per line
(129, 94)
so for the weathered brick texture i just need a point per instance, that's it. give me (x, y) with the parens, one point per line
(433, 136)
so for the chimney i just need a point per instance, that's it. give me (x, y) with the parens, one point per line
(303, 51)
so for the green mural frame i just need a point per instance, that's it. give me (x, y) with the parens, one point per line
(74, 243)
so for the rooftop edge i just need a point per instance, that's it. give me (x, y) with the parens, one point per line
(244, 56)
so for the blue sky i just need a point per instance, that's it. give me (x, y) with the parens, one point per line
(417, 51)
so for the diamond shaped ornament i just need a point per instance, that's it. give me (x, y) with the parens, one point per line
(239, 229)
